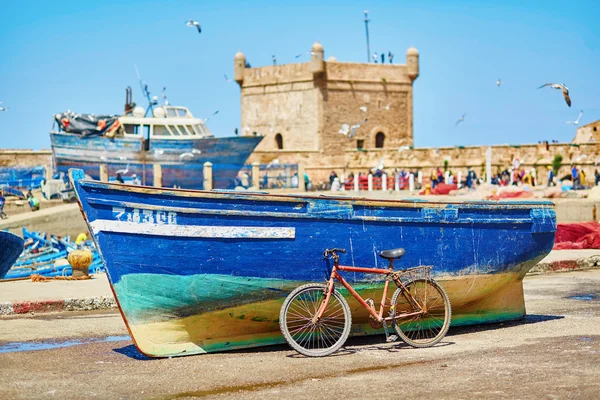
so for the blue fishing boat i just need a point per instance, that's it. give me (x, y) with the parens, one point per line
(11, 246)
(133, 145)
(197, 272)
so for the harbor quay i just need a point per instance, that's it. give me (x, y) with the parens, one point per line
(269, 214)
(72, 355)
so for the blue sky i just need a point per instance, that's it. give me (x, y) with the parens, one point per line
(59, 55)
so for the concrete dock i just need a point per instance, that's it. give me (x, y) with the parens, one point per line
(553, 353)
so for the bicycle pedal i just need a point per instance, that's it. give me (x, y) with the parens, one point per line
(391, 338)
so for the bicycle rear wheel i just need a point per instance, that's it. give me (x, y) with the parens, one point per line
(315, 339)
(429, 327)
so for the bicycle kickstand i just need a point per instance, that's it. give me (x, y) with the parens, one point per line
(389, 338)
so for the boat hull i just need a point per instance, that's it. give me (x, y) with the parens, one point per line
(227, 155)
(11, 246)
(196, 272)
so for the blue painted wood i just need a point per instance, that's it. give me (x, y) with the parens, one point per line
(453, 238)
(11, 246)
(182, 160)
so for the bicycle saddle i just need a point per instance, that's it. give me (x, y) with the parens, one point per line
(394, 254)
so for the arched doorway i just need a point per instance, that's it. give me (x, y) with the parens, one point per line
(379, 140)
(279, 141)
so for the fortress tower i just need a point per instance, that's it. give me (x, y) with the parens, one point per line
(300, 108)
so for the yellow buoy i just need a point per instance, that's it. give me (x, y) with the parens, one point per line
(80, 261)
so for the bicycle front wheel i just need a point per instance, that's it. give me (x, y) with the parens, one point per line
(431, 323)
(325, 336)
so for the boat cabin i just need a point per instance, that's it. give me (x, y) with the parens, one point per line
(167, 122)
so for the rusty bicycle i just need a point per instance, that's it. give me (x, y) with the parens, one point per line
(315, 319)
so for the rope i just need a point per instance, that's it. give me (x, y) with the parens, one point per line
(39, 278)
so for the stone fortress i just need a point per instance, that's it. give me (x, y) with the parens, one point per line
(300, 109)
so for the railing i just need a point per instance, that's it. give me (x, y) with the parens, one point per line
(270, 176)
(395, 182)
(22, 177)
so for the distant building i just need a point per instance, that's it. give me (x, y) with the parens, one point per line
(588, 133)
(300, 108)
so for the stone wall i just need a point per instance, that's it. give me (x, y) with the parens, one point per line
(26, 158)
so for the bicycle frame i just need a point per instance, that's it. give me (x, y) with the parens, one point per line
(378, 315)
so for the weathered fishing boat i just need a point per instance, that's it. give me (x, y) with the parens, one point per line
(197, 272)
(135, 143)
(11, 246)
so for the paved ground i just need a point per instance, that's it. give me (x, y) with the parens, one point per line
(554, 353)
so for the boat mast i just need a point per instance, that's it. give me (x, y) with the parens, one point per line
(151, 102)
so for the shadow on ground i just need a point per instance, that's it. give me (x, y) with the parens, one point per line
(373, 342)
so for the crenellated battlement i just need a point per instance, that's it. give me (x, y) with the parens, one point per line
(302, 107)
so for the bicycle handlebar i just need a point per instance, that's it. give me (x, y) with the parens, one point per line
(328, 252)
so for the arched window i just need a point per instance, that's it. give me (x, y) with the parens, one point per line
(279, 141)
(379, 140)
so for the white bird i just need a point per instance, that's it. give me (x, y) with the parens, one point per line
(164, 96)
(576, 122)
(123, 171)
(344, 129)
(350, 130)
(354, 127)
(499, 82)
(191, 23)
(227, 79)
(562, 87)
(387, 107)
(159, 152)
(3, 108)
(312, 53)
(363, 108)
(461, 119)
(196, 151)
(581, 157)
(185, 155)
(403, 148)
(205, 120)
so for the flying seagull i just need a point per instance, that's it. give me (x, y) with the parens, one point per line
(387, 107)
(3, 108)
(123, 171)
(205, 120)
(499, 82)
(461, 119)
(576, 122)
(312, 53)
(227, 79)
(403, 148)
(562, 87)
(350, 130)
(186, 155)
(191, 23)
(363, 108)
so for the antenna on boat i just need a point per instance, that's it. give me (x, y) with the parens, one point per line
(151, 102)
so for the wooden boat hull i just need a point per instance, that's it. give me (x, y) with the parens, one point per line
(227, 155)
(11, 246)
(196, 272)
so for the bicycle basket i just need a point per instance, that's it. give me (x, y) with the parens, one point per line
(411, 274)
